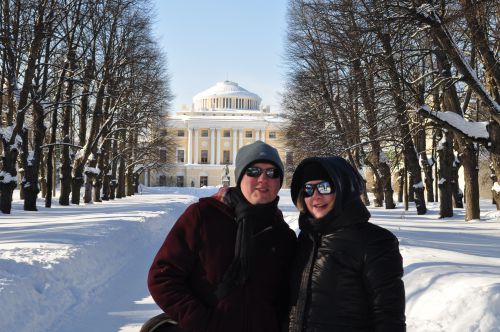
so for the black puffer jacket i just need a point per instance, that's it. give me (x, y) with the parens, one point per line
(347, 275)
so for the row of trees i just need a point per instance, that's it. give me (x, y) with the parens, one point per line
(366, 75)
(83, 92)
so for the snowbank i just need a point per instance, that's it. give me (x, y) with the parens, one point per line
(84, 268)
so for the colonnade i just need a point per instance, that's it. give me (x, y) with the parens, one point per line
(216, 140)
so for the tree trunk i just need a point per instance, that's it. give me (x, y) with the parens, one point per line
(31, 162)
(130, 187)
(8, 180)
(136, 183)
(411, 158)
(96, 187)
(106, 191)
(43, 177)
(76, 186)
(6, 191)
(401, 182)
(30, 179)
(10, 146)
(87, 196)
(466, 150)
(50, 173)
(446, 158)
(114, 167)
(385, 172)
(377, 187)
(121, 179)
(112, 189)
(355, 162)
(421, 145)
(66, 181)
(53, 134)
(457, 193)
(105, 178)
(495, 189)
(471, 178)
(411, 187)
(91, 178)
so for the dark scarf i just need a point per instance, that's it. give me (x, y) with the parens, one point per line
(251, 220)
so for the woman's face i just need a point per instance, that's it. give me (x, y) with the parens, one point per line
(318, 204)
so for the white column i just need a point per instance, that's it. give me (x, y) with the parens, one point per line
(218, 147)
(257, 134)
(212, 145)
(235, 144)
(195, 159)
(190, 146)
(263, 135)
(241, 138)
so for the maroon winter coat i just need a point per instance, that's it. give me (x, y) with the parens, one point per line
(192, 262)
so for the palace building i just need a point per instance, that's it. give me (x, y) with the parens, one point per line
(208, 134)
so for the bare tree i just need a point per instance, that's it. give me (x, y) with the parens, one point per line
(91, 79)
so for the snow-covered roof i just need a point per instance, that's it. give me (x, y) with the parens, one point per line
(226, 89)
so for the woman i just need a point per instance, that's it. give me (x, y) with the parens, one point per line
(348, 271)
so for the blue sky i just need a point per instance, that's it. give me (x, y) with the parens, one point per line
(210, 41)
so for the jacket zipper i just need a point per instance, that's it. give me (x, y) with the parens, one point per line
(303, 301)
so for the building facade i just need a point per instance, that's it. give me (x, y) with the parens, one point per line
(208, 134)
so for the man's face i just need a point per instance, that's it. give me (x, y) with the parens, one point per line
(260, 189)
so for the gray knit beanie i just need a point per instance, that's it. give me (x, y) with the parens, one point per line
(254, 153)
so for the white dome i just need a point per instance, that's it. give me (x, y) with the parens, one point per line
(226, 95)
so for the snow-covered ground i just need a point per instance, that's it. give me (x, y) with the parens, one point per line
(83, 268)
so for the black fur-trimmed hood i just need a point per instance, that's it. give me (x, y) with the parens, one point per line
(347, 181)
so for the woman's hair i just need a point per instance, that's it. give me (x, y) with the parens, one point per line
(301, 203)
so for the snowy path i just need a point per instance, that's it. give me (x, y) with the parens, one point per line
(83, 265)
(84, 268)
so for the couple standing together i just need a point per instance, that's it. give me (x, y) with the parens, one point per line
(231, 263)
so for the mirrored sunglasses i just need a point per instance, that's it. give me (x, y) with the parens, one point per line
(254, 172)
(324, 188)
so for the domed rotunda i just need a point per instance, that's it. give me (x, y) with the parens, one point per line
(224, 96)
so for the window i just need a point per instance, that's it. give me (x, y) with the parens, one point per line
(163, 156)
(226, 133)
(225, 157)
(180, 133)
(203, 181)
(162, 181)
(248, 134)
(204, 133)
(272, 134)
(204, 157)
(180, 156)
(180, 181)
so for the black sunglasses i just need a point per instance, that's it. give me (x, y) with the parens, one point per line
(324, 188)
(254, 172)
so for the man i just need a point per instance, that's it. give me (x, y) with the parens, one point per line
(224, 265)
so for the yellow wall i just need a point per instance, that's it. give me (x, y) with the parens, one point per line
(215, 171)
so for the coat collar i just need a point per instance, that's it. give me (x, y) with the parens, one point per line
(354, 212)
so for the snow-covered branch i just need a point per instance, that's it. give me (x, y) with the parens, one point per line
(472, 131)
